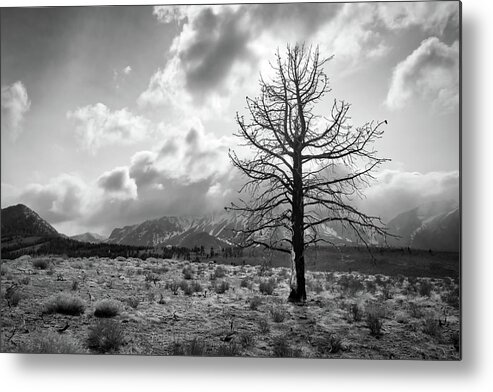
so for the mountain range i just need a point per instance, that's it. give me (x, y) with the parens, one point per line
(430, 226)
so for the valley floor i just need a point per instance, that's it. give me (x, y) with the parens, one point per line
(169, 307)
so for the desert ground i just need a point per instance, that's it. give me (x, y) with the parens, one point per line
(172, 307)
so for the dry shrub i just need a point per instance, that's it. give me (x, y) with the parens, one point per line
(374, 319)
(105, 336)
(41, 264)
(267, 287)
(64, 303)
(222, 287)
(107, 308)
(255, 302)
(51, 343)
(278, 314)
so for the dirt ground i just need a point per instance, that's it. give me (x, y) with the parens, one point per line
(170, 307)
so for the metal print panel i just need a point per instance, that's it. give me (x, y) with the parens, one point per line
(253, 180)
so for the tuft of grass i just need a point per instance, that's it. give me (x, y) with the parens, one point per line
(278, 314)
(425, 288)
(267, 287)
(354, 312)
(196, 287)
(255, 302)
(219, 272)
(263, 325)
(374, 319)
(282, 349)
(350, 284)
(152, 277)
(329, 344)
(133, 302)
(227, 350)
(13, 298)
(222, 287)
(41, 264)
(452, 298)
(107, 308)
(187, 273)
(105, 336)
(51, 343)
(246, 283)
(431, 325)
(196, 347)
(174, 285)
(64, 303)
(246, 339)
(415, 310)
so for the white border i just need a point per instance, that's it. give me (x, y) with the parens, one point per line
(85, 373)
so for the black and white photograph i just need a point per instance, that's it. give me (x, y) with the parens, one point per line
(232, 180)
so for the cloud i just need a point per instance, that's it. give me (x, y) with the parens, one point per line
(127, 70)
(118, 184)
(15, 104)
(221, 48)
(397, 191)
(98, 126)
(430, 72)
(61, 199)
(432, 17)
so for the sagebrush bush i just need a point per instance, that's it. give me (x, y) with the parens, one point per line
(196, 286)
(263, 325)
(64, 303)
(350, 284)
(221, 287)
(187, 273)
(452, 298)
(41, 264)
(267, 287)
(105, 336)
(227, 350)
(50, 343)
(255, 302)
(219, 272)
(282, 349)
(152, 277)
(246, 339)
(173, 285)
(374, 319)
(431, 325)
(107, 308)
(354, 312)
(196, 347)
(425, 288)
(133, 302)
(329, 344)
(278, 314)
(245, 283)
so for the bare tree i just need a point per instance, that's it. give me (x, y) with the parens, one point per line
(304, 169)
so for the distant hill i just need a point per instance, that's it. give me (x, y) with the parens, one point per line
(20, 220)
(433, 226)
(92, 238)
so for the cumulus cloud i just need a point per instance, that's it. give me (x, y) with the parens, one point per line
(97, 126)
(127, 70)
(61, 199)
(15, 104)
(430, 72)
(118, 184)
(397, 191)
(222, 48)
(432, 17)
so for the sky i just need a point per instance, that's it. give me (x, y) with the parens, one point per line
(115, 115)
